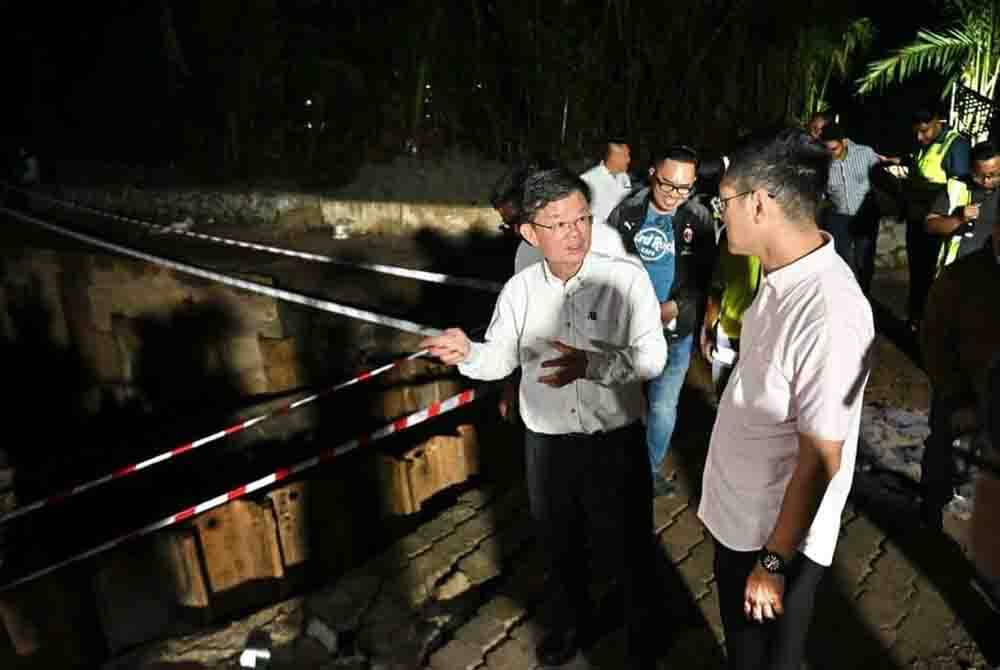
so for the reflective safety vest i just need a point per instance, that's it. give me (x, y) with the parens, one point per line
(930, 159)
(952, 243)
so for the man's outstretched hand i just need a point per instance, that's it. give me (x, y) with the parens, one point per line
(451, 347)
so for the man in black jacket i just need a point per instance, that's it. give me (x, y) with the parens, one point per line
(675, 239)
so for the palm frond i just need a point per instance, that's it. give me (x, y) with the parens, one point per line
(944, 52)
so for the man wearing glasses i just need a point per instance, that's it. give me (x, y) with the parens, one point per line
(966, 224)
(781, 457)
(674, 237)
(584, 329)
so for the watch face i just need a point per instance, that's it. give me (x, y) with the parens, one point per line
(771, 562)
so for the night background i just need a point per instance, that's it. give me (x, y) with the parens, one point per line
(309, 89)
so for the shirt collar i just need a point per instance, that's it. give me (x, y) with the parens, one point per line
(581, 274)
(622, 178)
(810, 265)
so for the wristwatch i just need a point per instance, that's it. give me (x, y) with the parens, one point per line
(771, 562)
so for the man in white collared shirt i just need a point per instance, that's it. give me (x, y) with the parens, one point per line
(608, 180)
(584, 329)
(781, 457)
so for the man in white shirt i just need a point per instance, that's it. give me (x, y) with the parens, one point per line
(584, 329)
(781, 457)
(609, 184)
(608, 180)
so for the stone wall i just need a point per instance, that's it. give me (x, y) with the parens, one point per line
(203, 206)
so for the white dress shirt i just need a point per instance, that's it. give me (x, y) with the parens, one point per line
(606, 190)
(804, 362)
(609, 310)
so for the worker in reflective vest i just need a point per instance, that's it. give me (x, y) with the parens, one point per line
(940, 164)
(964, 216)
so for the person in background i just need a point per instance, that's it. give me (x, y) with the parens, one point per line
(966, 224)
(816, 123)
(674, 237)
(608, 180)
(959, 343)
(852, 217)
(733, 288)
(938, 166)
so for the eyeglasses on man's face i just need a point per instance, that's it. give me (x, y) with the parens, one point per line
(668, 187)
(719, 204)
(562, 228)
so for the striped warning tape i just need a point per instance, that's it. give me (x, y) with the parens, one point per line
(279, 294)
(436, 409)
(131, 469)
(420, 275)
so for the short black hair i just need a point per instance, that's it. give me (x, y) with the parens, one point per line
(832, 133)
(548, 186)
(924, 115)
(676, 152)
(827, 117)
(711, 169)
(792, 167)
(984, 151)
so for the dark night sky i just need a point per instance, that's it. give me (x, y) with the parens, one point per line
(62, 52)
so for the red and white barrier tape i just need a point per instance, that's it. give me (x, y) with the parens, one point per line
(279, 294)
(420, 275)
(399, 425)
(129, 470)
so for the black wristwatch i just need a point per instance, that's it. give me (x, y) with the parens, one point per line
(771, 562)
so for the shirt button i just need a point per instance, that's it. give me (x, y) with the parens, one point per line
(572, 411)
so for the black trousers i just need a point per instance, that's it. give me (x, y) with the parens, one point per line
(855, 239)
(596, 491)
(937, 469)
(839, 227)
(775, 645)
(922, 250)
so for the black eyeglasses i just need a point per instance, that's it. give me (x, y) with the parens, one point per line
(669, 187)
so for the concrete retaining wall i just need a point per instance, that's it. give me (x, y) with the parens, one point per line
(166, 206)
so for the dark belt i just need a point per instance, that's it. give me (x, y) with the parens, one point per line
(601, 433)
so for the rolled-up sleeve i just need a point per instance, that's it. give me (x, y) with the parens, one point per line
(646, 354)
(495, 357)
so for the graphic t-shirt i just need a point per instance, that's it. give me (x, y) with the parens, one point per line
(655, 244)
